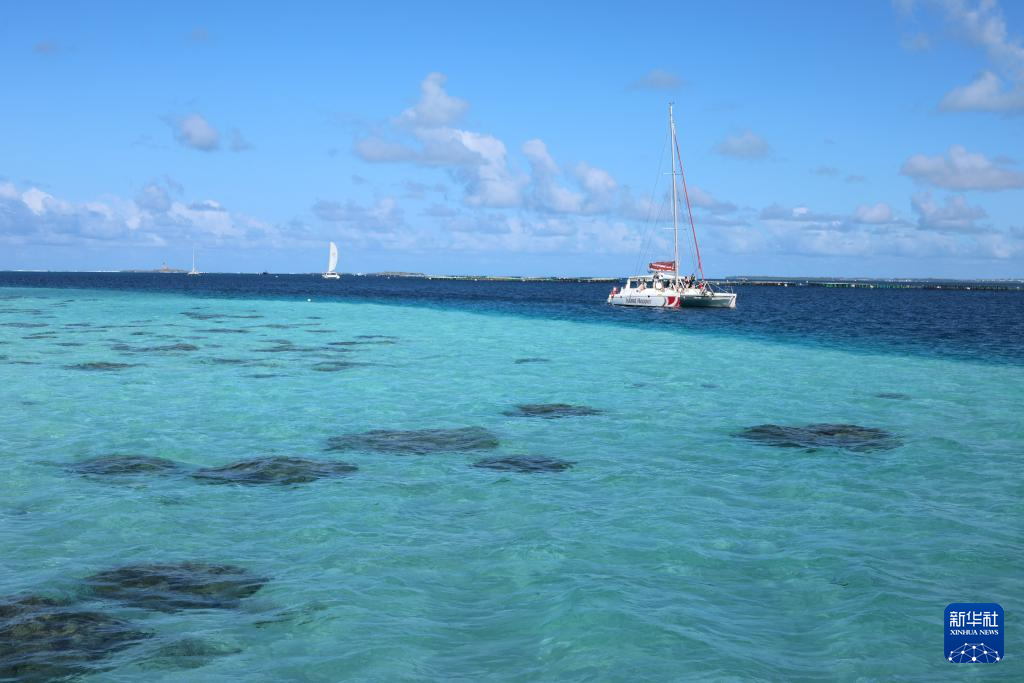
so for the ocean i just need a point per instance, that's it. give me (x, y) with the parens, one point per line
(246, 477)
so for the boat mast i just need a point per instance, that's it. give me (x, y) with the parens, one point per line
(675, 200)
(686, 194)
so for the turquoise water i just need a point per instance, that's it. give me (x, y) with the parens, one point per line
(672, 549)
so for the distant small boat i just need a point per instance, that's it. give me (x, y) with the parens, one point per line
(332, 263)
(194, 271)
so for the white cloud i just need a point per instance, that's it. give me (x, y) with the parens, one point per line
(705, 200)
(744, 145)
(436, 107)
(983, 24)
(547, 192)
(877, 214)
(154, 198)
(986, 93)
(196, 132)
(962, 170)
(37, 217)
(954, 216)
(799, 214)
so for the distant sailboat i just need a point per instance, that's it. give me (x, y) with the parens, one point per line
(332, 263)
(194, 271)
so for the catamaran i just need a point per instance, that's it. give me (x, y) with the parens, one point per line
(332, 263)
(194, 271)
(664, 287)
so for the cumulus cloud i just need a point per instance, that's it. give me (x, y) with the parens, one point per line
(195, 132)
(799, 214)
(547, 191)
(657, 79)
(153, 197)
(962, 170)
(873, 214)
(707, 201)
(153, 218)
(985, 93)
(955, 215)
(983, 24)
(435, 107)
(744, 145)
(479, 162)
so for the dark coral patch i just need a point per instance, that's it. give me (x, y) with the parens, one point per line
(363, 342)
(42, 639)
(155, 349)
(101, 366)
(173, 587)
(813, 436)
(523, 361)
(551, 411)
(275, 470)
(190, 653)
(527, 464)
(115, 465)
(198, 315)
(334, 366)
(416, 441)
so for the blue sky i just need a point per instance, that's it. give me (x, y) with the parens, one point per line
(848, 139)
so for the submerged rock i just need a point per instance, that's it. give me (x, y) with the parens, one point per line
(190, 653)
(524, 463)
(114, 465)
(551, 410)
(173, 587)
(276, 470)
(198, 315)
(416, 441)
(892, 395)
(334, 366)
(846, 436)
(42, 639)
(101, 366)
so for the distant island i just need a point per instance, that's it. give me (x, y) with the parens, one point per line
(162, 269)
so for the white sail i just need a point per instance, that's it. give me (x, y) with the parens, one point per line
(332, 263)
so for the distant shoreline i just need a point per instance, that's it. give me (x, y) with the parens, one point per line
(948, 284)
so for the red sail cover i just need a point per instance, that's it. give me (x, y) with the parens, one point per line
(662, 266)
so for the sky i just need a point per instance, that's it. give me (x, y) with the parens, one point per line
(853, 139)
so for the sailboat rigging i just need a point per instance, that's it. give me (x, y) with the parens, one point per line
(663, 287)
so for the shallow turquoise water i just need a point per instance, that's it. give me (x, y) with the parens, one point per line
(673, 549)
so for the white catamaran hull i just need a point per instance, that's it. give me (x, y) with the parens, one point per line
(691, 298)
(649, 300)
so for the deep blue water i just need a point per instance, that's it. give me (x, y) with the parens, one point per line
(984, 326)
